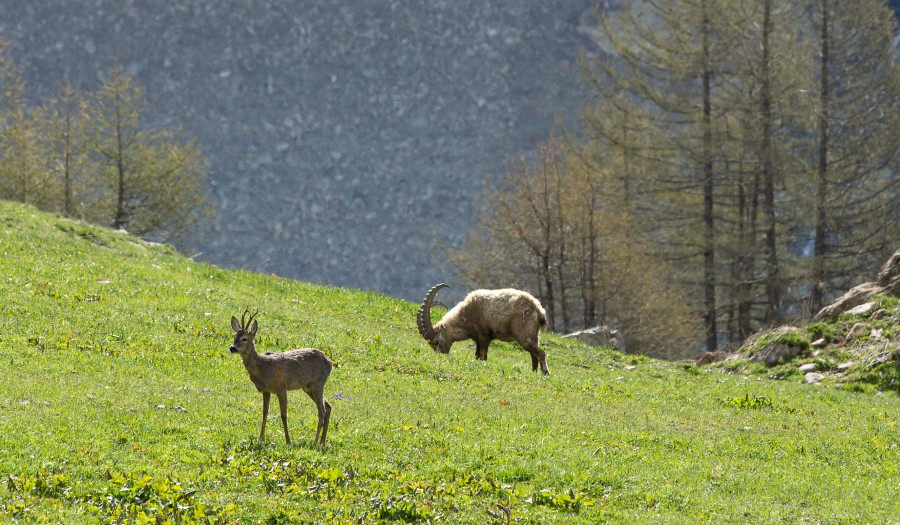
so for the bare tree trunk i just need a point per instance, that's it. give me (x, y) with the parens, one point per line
(120, 218)
(745, 258)
(548, 293)
(589, 281)
(709, 240)
(820, 247)
(551, 164)
(773, 274)
(68, 131)
(67, 165)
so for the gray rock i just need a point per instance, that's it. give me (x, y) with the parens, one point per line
(863, 309)
(853, 297)
(813, 377)
(710, 357)
(600, 336)
(808, 367)
(858, 330)
(887, 282)
(773, 353)
(889, 275)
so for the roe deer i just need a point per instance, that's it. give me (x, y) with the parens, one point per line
(276, 373)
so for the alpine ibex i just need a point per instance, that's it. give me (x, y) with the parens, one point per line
(276, 373)
(485, 315)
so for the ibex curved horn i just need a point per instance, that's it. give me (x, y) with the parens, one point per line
(423, 317)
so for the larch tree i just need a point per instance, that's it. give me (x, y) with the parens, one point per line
(151, 183)
(854, 181)
(661, 63)
(524, 224)
(20, 175)
(60, 139)
(557, 223)
(759, 127)
(766, 106)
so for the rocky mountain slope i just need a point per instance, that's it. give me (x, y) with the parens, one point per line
(347, 139)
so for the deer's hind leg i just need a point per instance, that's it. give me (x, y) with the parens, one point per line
(323, 409)
(326, 408)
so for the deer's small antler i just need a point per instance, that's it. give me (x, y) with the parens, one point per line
(246, 324)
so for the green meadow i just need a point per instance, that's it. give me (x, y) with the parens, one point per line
(120, 403)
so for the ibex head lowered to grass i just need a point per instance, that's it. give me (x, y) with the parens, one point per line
(276, 373)
(485, 315)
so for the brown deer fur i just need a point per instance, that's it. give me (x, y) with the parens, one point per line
(276, 373)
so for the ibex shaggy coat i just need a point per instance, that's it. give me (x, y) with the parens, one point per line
(485, 315)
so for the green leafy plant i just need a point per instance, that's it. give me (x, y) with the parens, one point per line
(748, 401)
(821, 330)
(569, 501)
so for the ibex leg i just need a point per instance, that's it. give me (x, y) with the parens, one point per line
(538, 356)
(481, 349)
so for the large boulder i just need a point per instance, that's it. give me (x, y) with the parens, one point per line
(854, 297)
(887, 282)
(711, 357)
(600, 336)
(776, 346)
(889, 276)
(775, 353)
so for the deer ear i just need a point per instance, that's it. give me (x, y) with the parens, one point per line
(253, 328)
(234, 324)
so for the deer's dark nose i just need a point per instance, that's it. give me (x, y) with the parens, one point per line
(233, 349)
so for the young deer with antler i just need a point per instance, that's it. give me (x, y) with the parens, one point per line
(276, 373)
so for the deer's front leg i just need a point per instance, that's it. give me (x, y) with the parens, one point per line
(282, 404)
(262, 431)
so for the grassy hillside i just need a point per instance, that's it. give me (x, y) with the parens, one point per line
(120, 403)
